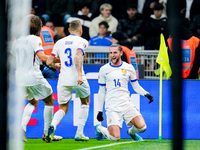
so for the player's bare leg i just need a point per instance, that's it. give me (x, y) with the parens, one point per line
(114, 131)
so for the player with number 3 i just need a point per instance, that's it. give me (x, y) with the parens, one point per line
(71, 49)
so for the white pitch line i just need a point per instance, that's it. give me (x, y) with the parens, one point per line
(107, 145)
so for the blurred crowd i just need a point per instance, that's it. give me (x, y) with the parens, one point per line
(140, 21)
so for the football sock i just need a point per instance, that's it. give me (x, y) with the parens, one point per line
(48, 116)
(134, 130)
(28, 110)
(82, 119)
(105, 132)
(111, 138)
(57, 117)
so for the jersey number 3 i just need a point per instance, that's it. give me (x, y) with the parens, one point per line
(117, 83)
(68, 62)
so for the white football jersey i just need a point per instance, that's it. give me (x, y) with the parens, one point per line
(27, 64)
(66, 48)
(116, 79)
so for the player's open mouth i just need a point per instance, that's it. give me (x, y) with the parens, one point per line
(113, 58)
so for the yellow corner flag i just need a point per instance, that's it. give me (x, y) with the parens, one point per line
(163, 58)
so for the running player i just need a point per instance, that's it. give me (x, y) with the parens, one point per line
(28, 53)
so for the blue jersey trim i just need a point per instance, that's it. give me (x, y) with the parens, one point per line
(102, 84)
(81, 50)
(73, 34)
(133, 80)
(116, 66)
(39, 51)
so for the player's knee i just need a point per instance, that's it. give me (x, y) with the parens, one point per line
(64, 107)
(85, 101)
(49, 100)
(115, 136)
(142, 129)
(34, 102)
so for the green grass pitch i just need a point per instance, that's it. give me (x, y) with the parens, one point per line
(122, 144)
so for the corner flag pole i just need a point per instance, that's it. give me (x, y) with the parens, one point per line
(160, 103)
(163, 60)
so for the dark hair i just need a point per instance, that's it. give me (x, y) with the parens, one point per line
(35, 25)
(117, 45)
(131, 6)
(104, 23)
(85, 4)
(158, 6)
(119, 36)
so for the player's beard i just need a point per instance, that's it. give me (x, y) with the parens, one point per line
(115, 61)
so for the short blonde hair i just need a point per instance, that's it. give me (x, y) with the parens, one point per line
(105, 5)
(75, 25)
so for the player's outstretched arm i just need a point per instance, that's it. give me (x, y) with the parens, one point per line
(138, 89)
(101, 98)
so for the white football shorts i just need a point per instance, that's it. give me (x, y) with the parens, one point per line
(125, 113)
(65, 92)
(39, 91)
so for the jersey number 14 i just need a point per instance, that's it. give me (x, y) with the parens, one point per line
(117, 83)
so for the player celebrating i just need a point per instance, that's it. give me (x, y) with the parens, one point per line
(28, 53)
(71, 50)
(114, 77)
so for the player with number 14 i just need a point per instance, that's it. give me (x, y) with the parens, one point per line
(113, 80)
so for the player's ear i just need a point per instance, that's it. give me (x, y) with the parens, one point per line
(81, 31)
(121, 53)
(69, 30)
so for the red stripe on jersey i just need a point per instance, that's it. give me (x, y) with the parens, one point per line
(79, 49)
(53, 55)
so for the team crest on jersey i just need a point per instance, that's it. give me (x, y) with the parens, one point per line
(84, 45)
(124, 72)
(40, 44)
